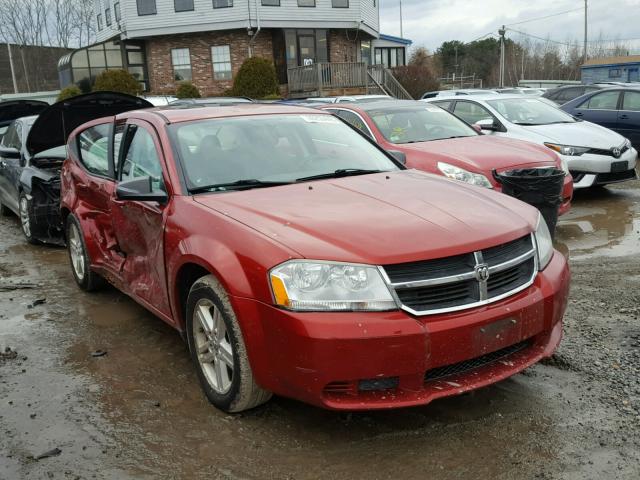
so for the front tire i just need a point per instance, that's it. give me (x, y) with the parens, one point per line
(79, 258)
(24, 210)
(217, 348)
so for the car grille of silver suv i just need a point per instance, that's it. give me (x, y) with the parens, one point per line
(464, 281)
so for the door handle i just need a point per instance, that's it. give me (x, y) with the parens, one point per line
(578, 114)
(624, 117)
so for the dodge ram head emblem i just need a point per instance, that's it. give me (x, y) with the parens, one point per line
(482, 272)
(616, 152)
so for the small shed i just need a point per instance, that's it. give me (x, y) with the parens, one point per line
(611, 69)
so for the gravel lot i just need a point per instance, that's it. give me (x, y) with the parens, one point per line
(93, 386)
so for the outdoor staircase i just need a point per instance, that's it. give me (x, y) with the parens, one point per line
(347, 78)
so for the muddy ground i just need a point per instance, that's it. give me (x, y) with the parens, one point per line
(135, 410)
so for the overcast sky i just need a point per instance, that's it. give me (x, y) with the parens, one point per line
(431, 22)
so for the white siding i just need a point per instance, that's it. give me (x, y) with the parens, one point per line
(204, 17)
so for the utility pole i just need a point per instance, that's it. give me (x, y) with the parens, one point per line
(401, 33)
(501, 32)
(585, 30)
(13, 72)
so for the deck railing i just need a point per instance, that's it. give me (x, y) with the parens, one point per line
(319, 77)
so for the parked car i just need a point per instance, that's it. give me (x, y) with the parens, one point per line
(457, 92)
(595, 155)
(435, 141)
(564, 94)
(299, 258)
(32, 151)
(617, 109)
(14, 109)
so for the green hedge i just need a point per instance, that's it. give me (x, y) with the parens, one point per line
(187, 90)
(117, 81)
(256, 79)
(68, 92)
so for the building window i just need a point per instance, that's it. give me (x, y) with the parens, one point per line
(340, 3)
(107, 16)
(181, 62)
(221, 58)
(389, 57)
(306, 3)
(222, 3)
(270, 3)
(116, 11)
(100, 26)
(183, 5)
(615, 73)
(147, 7)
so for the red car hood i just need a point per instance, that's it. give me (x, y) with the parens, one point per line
(480, 153)
(378, 219)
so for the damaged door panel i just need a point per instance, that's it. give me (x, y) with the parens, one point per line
(139, 225)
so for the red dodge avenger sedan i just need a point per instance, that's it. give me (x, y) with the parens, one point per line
(298, 258)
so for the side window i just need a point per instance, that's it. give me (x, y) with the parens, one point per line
(18, 138)
(94, 149)
(569, 94)
(602, 101)
(142, 160)
(471, 112)
(631, 101)
(9, 138)
(354, 120)
(445, 104)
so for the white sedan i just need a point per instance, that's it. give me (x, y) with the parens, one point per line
(595, 155)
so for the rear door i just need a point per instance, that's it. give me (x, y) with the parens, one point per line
(629, 117)
(93, 183)
(138, 225)
(601, 108)
(10, 167)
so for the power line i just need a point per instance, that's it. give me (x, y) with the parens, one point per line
(546, 16)
(540, 38)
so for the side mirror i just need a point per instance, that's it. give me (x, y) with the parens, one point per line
(477, 128)
(487, 124)
(139, 189)
(9, 152)
(399, 156)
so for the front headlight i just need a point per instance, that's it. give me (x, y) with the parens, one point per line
(325, 286)
(463, 175)
(627, 144)
(564, 165)
(568, 150)
(544, 243)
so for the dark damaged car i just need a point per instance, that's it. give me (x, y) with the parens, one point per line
(32, 151)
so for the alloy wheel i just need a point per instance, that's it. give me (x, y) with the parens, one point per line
(213, 346)
(76, 252)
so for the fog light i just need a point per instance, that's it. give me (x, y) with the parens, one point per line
(373, 384)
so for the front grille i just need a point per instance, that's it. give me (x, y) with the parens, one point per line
(474, 363)
(607, 153)
(613, 177)
(464, 281)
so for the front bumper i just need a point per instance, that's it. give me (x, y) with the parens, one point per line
(326, 359)
(590, 170)
(567, 194)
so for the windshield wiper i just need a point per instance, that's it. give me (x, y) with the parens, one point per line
(238, 184)
(525, 124)
(341, 172)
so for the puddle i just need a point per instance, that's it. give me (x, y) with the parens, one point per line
(603, 222)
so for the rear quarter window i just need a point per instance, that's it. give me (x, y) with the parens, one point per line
(93, 145)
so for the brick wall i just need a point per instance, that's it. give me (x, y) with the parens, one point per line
(199, 45)
(343, 46)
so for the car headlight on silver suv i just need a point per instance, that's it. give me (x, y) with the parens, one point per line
(326, 286)
(544, 243)
(568, 150)
(463, 175)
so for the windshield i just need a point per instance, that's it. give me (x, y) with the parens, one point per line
(419, 124)
(272, 148)
(530, 111)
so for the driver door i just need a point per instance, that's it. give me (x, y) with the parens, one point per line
(10, 168)
(139, 225)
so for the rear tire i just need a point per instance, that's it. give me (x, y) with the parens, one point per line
(24, 210)
(217, 348)
(79, 259)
